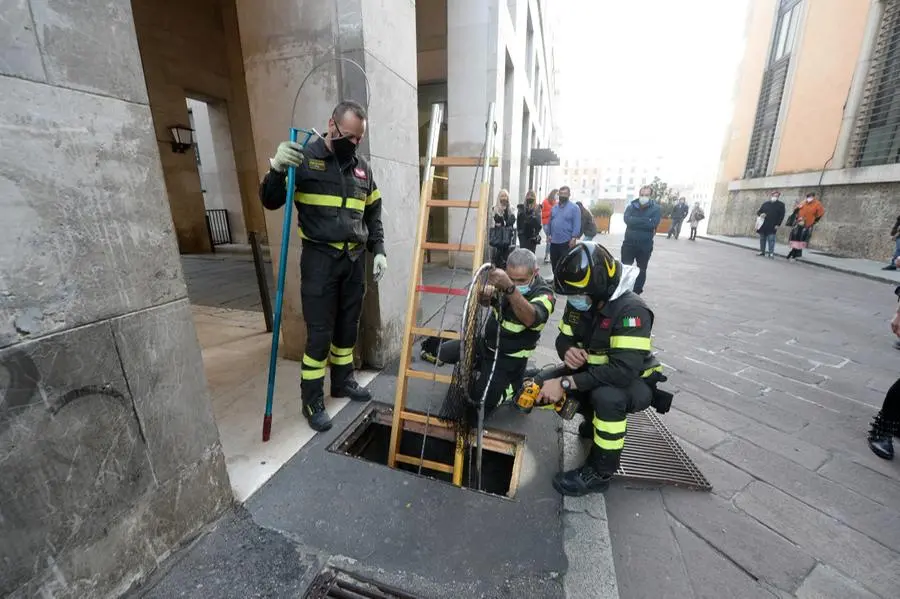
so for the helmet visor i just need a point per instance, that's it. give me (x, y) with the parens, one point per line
(573, 273)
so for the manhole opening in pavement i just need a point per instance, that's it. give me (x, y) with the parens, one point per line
(338, 584)
(652, 454)
(368, 438)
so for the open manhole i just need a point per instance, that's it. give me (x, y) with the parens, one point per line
(652, 454)
(332, 583)
(368, 438)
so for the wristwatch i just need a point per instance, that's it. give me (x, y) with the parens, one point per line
(510, 290)
(566, 384)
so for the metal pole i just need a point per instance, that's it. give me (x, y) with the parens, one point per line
(261, 280)
(279, 290)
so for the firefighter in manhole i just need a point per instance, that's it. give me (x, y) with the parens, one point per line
(604, 339)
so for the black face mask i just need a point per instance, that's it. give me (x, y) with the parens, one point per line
(563, 200)
(344, 148)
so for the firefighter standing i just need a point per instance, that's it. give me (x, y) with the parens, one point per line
(339, 215)
(605, 336)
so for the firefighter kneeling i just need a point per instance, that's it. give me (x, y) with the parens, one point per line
(604, 339)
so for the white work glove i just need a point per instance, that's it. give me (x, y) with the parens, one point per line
(289, 153)
(379, 267)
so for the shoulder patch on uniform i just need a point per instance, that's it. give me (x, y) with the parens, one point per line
(316, 164)
(631, 321)
(360, 173)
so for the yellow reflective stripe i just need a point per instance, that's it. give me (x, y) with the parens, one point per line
(597, 359)
(307, 361)
(373, 197)
(616, 427)
(626, 342)
(544, 301)
(341, 351)
(651, 370)
(340, 360)
(612, 445)
(525, 353)
(311, 375)
(538, 327)
(317, 199)
(566, 329)
(514, 327)
(335, 244)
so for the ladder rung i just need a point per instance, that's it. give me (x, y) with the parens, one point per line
(458, 291)
(459, 161)
(452, 203)
(427, 332)
(429, 376)
(448, 247)
(423, 419)
(429, 464)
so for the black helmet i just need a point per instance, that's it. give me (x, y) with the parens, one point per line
(588, 269)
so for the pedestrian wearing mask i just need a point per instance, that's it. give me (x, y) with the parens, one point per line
(642, 216)
(528, 222)
(805, 217)
(694, 219)
(769, 216)
(502, 234)
(565, 227)
(339, 217)
(546, 208)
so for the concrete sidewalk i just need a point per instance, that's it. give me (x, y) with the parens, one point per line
(869, 269)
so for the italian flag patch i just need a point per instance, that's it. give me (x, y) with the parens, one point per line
(631, 322)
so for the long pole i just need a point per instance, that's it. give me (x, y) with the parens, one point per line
(279, 290)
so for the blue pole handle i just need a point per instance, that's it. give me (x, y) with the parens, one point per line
(282, 272)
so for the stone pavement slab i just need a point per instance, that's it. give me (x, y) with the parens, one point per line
(778, 369)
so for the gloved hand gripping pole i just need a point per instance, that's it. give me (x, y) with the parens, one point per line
(279, 290)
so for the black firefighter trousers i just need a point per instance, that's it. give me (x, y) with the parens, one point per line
(606, 408)
(332, 289)
(506, 379)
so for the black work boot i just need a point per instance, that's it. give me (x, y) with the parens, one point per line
(315, 413)
(880, 441)
(351, 389)
(581, 481)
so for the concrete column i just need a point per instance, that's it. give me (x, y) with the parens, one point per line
(282, 40)
(105, 424)
(472, 84)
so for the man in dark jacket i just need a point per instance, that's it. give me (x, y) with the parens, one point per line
(642, 216)
(588, 227)
(773, 211)
(339, 215)
(678, 215)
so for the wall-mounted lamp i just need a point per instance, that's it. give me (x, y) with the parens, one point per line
(182, 138)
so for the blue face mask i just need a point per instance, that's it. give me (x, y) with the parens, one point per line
(523, 289)
(582, 303)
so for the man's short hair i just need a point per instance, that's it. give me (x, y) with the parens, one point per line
(565, 187)
(341, 109)
(521, 258)
(647, 187)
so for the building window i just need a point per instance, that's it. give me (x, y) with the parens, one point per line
(876, 137)
(772, 90)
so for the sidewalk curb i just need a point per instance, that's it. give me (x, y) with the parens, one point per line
(847, 271)
(592, 572)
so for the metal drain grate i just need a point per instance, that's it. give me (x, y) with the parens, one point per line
(332, 583)
(652, 454)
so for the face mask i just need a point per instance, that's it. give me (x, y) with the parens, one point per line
(563, 200)
(644, 200)
(582, 303)
(343, 148)
(808, 200)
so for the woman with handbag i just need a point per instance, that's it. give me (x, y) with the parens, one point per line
(528, 222)
(502, 235)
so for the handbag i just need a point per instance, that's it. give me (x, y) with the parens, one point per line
(500, 237)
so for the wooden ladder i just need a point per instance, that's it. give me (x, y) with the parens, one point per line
(416, 288)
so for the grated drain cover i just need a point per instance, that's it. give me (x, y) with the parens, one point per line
(332, 583)
(652, 454)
